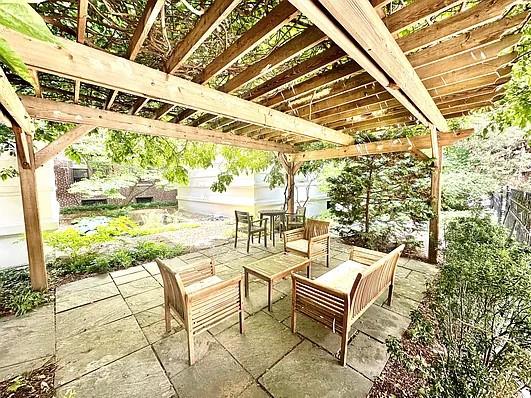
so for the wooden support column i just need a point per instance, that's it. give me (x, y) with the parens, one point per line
(433, 245)
(291, 169)
(28, 189)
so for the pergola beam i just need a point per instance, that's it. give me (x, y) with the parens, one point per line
(208, 22)
(380, 147)
(14, 111)
(145, 23)
(277, 18)
(376, 51)
(68, 113)
(60, 144)
(96, 67)
(484, 12)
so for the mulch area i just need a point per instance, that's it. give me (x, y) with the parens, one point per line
(396, 380)
(36, 384)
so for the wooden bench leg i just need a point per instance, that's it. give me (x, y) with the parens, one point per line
(270, 295)
(343, 350)
(390, 296)
(246, 282)
(167, 317)
(191, 353)
(241, 309)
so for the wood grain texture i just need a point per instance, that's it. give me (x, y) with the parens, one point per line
(76, 61)
(62, 112)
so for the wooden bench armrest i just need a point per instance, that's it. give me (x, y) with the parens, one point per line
(320, 239)
(324, 304)
(293, 234)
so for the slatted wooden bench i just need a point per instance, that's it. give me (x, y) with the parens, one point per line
(340, 296)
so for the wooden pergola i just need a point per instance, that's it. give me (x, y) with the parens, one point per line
(372, 64)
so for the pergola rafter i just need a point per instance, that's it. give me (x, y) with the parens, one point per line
(350, 68)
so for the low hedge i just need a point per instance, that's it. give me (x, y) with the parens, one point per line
(110, 207)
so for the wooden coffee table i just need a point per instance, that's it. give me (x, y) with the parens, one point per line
(274, 268)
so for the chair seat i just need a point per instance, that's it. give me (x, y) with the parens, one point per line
(199, 285)
(342, 277)
(300, 245)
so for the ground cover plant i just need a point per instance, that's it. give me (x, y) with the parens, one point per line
(16, 296)
(472, 336)
(115, 210)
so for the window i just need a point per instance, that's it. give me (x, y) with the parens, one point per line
(79, 174)
(144, 199)
(92, 202)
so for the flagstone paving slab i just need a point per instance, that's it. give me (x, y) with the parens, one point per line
(172, 351)
(217, 374)
(137, 375)
(127, 271)
(67, 298)
(264, 342)
(26, 341)
(254, 391)
(421, 266)
(138, 286)
(309, 371)
(381, 323)
(152, 268)
(145, 301)
(150, 316)
(80, 319)
(88, 351)
(316, 333)
(157, 331)
(367, 355)
(258, 297)
(120, 280)
(281, 310)
(400, 304)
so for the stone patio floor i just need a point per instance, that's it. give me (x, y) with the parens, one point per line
(107, 335)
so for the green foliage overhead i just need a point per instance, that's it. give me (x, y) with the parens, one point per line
(18, 15)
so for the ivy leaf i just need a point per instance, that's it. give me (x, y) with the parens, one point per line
(9, 57)
(18, 15)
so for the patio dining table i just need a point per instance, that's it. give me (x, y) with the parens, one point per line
(272, 214)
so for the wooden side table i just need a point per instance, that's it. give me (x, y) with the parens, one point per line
(275, 268)
(272, 214)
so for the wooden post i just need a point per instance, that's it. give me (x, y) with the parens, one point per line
(291, 169)
(28, 189)
(433, 245)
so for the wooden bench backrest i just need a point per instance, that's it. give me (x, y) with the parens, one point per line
(315, 228)
(377, 277)
(175, 282)
(173, 288)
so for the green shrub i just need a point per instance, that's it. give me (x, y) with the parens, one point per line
(16, 295)
(93, 262)
(71, 240)
(479, 317)
(119, 209)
